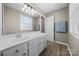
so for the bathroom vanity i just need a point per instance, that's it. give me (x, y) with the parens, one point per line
(13, 40)
(28, 44)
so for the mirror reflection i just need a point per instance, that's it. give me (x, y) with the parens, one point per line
(16, 20)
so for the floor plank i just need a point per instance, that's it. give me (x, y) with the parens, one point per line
(55, 49)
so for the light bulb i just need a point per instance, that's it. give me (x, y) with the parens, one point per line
(23, 8)
(26, 10)
(32, 14)
(34, 11)
(29, 12)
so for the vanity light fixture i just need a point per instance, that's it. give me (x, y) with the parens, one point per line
(29, 9)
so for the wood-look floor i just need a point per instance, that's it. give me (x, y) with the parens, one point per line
(55, 49)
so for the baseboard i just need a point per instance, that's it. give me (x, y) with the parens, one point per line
(61, 43)
(66, 45)
(69, 50)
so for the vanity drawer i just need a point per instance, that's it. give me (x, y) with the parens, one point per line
(33, 47)
(19, 50)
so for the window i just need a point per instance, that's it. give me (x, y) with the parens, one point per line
(25, 23)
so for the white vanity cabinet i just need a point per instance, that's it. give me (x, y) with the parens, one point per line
(41, 46)
(37, 45)
(18, 50)
(45, 41)
(33, 47)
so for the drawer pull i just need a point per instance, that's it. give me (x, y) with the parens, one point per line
(24, 54)
(17, 51)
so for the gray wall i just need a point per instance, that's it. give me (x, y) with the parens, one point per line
(61, 15)
(73, 43)
(74, 28)
(11, 20)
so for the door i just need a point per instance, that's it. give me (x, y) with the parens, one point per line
(49, 28)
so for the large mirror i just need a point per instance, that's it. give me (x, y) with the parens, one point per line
(16, 20)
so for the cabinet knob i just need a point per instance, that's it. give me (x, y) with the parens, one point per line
(39, 43)
(17, 51)
(2, 54)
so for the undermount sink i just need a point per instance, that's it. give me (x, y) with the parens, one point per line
(18, 36)
(21, 37)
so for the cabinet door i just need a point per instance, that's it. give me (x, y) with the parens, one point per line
(41, 45)
(33, 47)
(19, 50)
(33, 51)
(36, 46)
(1, 53)
(45, 41)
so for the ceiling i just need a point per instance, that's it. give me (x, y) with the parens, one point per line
(50, 7)
(43, 7)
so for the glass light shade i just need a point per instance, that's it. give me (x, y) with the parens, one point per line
(25, 5)
(34, 11)
(23, 8)
(27, 10)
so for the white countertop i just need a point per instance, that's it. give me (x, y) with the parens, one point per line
(8, 41)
